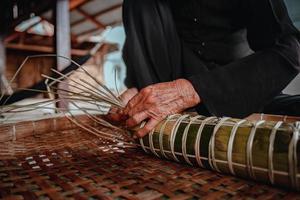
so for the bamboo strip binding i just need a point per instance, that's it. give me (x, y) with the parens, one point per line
(174, 138)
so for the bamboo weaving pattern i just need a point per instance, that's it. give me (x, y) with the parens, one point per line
(14, 131)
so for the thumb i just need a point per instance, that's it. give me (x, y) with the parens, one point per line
(128, 95)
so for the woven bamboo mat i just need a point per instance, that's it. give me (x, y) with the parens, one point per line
(73, 164)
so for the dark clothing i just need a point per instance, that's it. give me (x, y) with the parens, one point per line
(237, 55)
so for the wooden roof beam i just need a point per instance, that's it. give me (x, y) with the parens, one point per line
(91, 18)
(102, 12)
(42, 49)
(110, 9)
(17, 34)
(77, 3)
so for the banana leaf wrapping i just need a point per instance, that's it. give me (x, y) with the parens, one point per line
(260, 150)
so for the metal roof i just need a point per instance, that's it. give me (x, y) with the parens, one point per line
(87, 18)
(94, 15)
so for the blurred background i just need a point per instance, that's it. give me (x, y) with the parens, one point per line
(71, 28)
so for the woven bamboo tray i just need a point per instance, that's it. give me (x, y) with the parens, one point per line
(68, 163)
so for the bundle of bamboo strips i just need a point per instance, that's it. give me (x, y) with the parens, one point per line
(261, 150)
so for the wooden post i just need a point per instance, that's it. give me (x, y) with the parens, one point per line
(4, 86)
(2, 63)
(62, 40)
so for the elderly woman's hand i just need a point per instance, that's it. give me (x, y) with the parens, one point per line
(157, 101)
(116, 115)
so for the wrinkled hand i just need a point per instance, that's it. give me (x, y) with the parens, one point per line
(116, 114)
(157, 101)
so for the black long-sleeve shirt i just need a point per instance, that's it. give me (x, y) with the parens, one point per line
(238, 54)
(250, 48)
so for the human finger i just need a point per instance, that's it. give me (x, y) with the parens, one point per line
(133, 102)
(150, 125)
(128, 95)
(136, 119)
(151, 98)
(115, 115)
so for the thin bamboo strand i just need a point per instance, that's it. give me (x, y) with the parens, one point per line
(99, 120)
(100, 135)
(96, 91)
(95, 97)
(100, 84)
(25, 60)
(101, 132)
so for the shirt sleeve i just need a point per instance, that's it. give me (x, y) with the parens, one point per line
(247, 85)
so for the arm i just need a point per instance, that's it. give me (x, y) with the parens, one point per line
(237, 89)
(247, 85)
